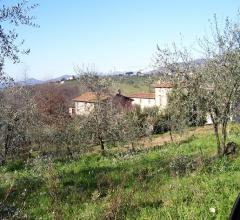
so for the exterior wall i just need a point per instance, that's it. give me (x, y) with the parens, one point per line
(82, 108)
(208, 120)
(161, 97)
(71, 111)
(144, 103)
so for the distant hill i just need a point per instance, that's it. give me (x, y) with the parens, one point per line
(60, 78)
(31, 81)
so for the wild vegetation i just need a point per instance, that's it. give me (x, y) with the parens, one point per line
(97, 166)
(174, 181)
(210, 87)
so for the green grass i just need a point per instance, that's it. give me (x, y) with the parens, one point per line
(134, 84)
(176, 181)
(129, 85)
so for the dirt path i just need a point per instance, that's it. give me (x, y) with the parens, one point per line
(165, 138)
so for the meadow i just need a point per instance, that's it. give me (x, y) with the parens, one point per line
(183, 180)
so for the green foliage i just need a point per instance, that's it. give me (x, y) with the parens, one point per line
(161, 125)
(142, 186)
(15, 165)
(234, 129)
(181, 165)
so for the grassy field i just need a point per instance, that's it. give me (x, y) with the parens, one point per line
(129, 85)
(133, 84)
(172, 181)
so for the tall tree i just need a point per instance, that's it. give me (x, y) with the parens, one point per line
(211, 86)
(98, 127)
(11, 17)
(15, 104)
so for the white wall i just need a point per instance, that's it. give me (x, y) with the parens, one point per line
(82, 108)
(144, 103)
(161, 97)
(208, 120)
(70, 111)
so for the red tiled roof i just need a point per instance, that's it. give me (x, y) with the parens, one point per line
(143, 95)
(88, 97)
(163, 85)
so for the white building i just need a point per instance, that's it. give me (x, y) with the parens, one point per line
(85, 103)
(144, 100)
(158, 98)
(162, 89)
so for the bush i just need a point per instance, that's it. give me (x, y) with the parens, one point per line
(182, 165)
(234, 129)
(15, 165)
(161, 125)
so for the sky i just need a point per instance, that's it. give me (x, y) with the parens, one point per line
(110, 35)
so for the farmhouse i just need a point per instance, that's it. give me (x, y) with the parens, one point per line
(85, 103)
(158, 98)
(144, 100)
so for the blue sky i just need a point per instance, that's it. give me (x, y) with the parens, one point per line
(110, 34)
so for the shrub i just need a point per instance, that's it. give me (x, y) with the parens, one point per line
(15, 165)
(161, 125)
(181, 165)
(234, 129)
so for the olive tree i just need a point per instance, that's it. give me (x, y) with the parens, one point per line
(17, 120)
(14, 108)
(100, 124)
(211, 86)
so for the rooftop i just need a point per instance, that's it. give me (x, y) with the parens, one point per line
(163, 85)
(143, 95)
(89, 97)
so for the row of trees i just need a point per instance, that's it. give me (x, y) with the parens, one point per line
(37, 119)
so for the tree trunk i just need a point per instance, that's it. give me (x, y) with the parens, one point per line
(7, 143)
(102, 146)
(224, 135)
(171, 136)
(70, 152)
(133, 148)
(215, 125)
(216, 132)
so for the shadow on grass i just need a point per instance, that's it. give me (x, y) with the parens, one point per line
(151, 204)
(13, 197)
(101, 179)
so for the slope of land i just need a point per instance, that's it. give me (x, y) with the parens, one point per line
(182, 180)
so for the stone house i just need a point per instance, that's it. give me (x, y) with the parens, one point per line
(85, 103)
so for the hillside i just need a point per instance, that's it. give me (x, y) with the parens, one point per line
(127, 85)
(181, 180)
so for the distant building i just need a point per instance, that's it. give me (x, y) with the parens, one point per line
(85, 103)
(162, 89)
(158, 98)
(144, 100)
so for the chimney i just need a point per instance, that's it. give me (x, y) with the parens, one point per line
(119, 92)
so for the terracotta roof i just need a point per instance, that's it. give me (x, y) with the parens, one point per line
(88, 97)
(163, 85)
(143, 95)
